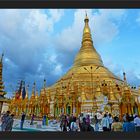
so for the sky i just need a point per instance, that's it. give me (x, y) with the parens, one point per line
(42, 43)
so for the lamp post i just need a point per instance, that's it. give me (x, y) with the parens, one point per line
(91, 72)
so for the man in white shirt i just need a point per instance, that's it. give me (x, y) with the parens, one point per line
(105, 123)
(137, 122)
(110, 121)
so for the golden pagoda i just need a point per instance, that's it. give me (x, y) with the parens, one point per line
(87, 87)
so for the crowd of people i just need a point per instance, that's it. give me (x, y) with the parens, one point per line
(23, 116)
(7, 121)
(82, 123)
(100, 122)
(72, 123)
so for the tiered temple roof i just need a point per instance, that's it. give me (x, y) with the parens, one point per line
(2, 92)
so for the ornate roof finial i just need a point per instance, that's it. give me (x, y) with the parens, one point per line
(86, 18)
(86, 28)
(36, 96)
(34, 84)
(86, 13)
(44, 82)
(26, 97)
(124, 76)
(33, 91)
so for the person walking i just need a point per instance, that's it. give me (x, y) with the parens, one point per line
(32, 119)
(70, 121)
(84, 125)
(64, 124)
(47, 120)
(88, 120)
(74, 126)
(9, 123)
(4, 120)
(105, 123)
(96, 123)
(22, 120)
(89, 127)
(44, 120)
(62, 117)
(116, 125)
(110, 121)
(81, 120)
(99, 117)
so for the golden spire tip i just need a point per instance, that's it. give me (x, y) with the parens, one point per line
(86, 18)
(86, 13)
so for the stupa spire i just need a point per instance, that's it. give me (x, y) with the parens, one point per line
(33, 90)
(124, 77)
(87, 54)
(36, 96)
(44, 83)
(26, 97)
(86, 28)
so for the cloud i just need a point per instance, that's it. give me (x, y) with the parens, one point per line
(25, 37)
(58, 69)
(34, 50)
(132, 77)
(117, 69)
(104, 25)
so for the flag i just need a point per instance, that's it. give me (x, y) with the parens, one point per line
(18, 92)
(23, 92)
(17, 95)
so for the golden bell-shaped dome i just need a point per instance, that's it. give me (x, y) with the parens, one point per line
(87, 54)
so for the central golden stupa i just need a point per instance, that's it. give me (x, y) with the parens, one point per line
(87, 87)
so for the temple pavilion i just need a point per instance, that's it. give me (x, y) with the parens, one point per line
(87, 87)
